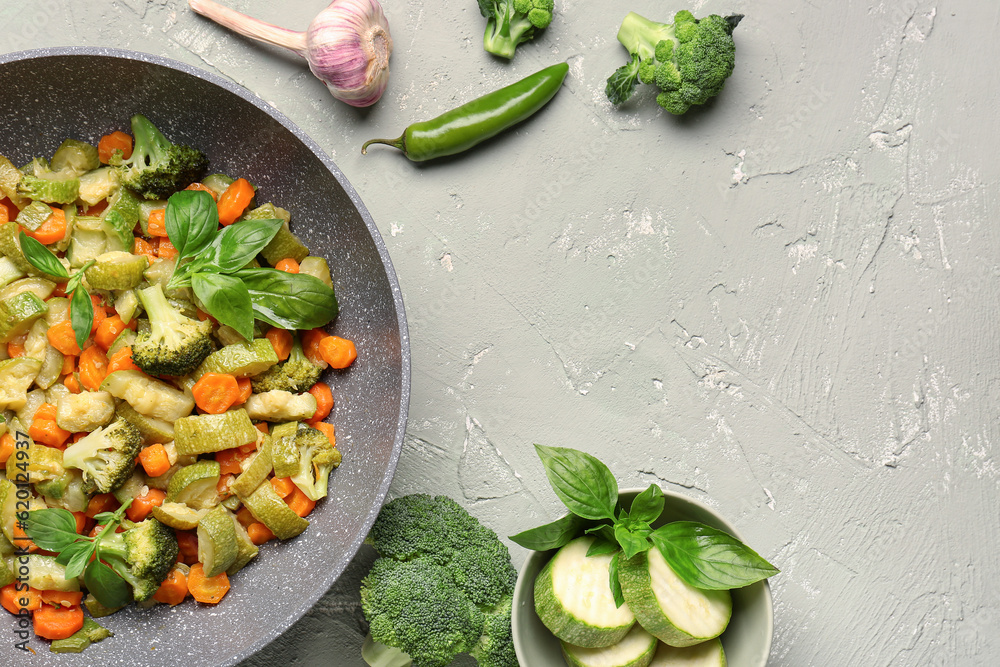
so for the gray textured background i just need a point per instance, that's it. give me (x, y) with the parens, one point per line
(783, 304)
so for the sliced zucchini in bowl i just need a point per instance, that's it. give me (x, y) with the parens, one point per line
(636, 649)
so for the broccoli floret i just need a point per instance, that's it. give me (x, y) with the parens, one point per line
(295, 374)
(317, 459)
(143, 555)
(175, 344)
(443, 585)
(512, 22)
(158, 168)
(688, 60)
(105, 456)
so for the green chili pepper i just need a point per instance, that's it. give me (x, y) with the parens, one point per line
(462, 128)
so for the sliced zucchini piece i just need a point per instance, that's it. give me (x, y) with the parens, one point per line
(574, 601)
(96, 609)
(118, 270)
(33, 215)
(6, 575)
(16, 375)
(706, 654)
(18, 314)
(97, 185)
(201, 434)
(75, 158)
(119, 219)
(40, 287)
(9, 271)
(281, 406)
(255, 472)
(240, 360)
(194, 485)
(84, 245)
(125, 305)
(178, 515)
(148, 396)
(284, 453)
(268, 508)
(77, 642)
(10, 176)
(45, 574)
(636, 649)
(85, 411)
(153, 430)
(284, 244)
(217, 543)
(675, 612)
(217, 183)
(246, 550)
(317, 268)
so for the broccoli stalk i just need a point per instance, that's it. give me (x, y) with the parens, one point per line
(106, 456)
(443, 585)
(143, 556)
(175, 344)
(158, 168)
(512, 22)
(688, 60)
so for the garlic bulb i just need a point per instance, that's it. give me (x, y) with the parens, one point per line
(347, 45)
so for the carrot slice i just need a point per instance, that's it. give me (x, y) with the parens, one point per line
(48, 432)
(246, 389)
(142, 505)
(154, 460)
(7, 446)
(209, 590)
(338, 352)
(216, 392)
(259, 533)
(283, 486)
(174, 588)
(299, 502)
(63, 338)
(310, 345)
(234, 201)
(122, 361)
(57, 622)
(102, 502)
(109, 143)
(281, 341)
(52, 230)
(288, 265)
(64, 598)
(14, 600)
(328, 430)
(187, 543)
(324, 402)
(93, 367)
(157, 225)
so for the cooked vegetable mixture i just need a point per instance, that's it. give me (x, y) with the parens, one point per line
(161, 347)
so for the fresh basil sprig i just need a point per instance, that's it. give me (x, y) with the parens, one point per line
(54, 529)
(81, 307)
(213, 263)
(702, 556)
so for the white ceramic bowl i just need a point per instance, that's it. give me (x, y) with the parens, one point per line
(747, 639)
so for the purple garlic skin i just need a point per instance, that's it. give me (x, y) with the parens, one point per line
(348, 46)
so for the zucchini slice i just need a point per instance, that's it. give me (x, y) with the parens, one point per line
(201, 434)
(706, 654)
(573, 598)
(178, 516)
(217, 545)
(268, 508)
(194, 485)
(636, 649)
(670, 609)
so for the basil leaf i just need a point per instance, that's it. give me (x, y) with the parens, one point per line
(710, 559)
(235, 246)
(632, 542)
(75, 558)
(616, 586)
(603, 531)
(648, 505)
(109, 588)
(601, 546)
(41, 257)
(103, 517)
(81, 314)
(551, 535)
(290, 300)
(51, 529)
(192, 220)
(583, 484)
(226, 299)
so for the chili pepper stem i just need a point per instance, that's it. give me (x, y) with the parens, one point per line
(398, 142)
(292, 40)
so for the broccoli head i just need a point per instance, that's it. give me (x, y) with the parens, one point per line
(438, 565)
(688, 60)
(143, 555)
(106, 456)
(296, 374)
(512, 22)
(175, 344)
(158, 168)
(317, 459)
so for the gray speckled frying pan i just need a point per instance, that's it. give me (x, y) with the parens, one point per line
(48, 95)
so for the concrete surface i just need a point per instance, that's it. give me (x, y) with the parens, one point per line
(784, 304)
